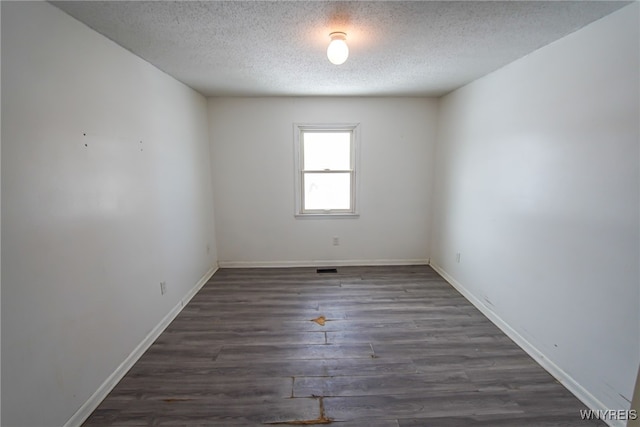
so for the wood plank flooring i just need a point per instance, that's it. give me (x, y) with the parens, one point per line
(400, 347)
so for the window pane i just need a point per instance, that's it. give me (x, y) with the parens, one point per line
(327, 150)
(327, 191)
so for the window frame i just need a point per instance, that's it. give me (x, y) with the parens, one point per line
(299, 129)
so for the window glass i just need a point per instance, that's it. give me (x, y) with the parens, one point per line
(326, 191)
(327, 150)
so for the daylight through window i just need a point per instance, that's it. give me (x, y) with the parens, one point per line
(326, 169)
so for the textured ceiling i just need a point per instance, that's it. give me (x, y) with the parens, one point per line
(260, 48)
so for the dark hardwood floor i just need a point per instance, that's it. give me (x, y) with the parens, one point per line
(399, 347)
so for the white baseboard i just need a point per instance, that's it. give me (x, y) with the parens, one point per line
(92, 403)
(558, 373)
(322, 263)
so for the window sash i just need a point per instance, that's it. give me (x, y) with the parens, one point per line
(351, 198)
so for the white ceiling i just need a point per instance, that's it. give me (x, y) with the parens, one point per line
(271, 48)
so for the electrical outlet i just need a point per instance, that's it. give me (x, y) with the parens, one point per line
(336, 241)
(163, 288)
(458, 257)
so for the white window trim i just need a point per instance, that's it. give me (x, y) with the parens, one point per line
(354, 128)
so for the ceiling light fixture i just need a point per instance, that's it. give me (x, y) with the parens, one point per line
(338, 51)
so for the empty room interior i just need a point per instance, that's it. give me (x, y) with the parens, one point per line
(212, 217)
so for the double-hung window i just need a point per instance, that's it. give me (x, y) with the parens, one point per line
(326, 169)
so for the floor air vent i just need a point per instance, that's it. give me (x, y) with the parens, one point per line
(326, 270)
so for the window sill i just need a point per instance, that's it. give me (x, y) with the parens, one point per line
(327, 216)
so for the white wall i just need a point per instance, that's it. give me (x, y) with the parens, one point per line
(90, 224)
(538, 189)
(252, 142)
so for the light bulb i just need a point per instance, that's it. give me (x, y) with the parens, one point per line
(338, 51)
